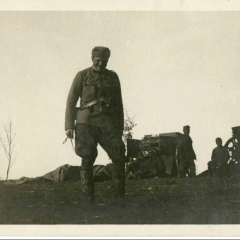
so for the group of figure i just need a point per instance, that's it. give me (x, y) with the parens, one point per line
(100, 120)
(185, 157)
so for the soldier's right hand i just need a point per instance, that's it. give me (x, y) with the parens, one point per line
(70, 133)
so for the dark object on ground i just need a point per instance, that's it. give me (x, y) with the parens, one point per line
(164, 148)
(64, 173)
(102, 173)
(71, 173)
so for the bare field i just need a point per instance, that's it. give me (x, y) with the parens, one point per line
(149, 201)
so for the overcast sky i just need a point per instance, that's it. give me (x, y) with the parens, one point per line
(175, 68)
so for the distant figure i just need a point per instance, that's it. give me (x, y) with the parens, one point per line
(140, 157)
(220, 157)
(147, 165)
(131, 169)
(133, 166)
(185, 155)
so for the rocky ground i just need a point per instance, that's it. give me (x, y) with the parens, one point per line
(151, 201)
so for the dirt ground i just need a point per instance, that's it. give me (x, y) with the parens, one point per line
(150, 201)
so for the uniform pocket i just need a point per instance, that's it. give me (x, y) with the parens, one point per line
(89, 91)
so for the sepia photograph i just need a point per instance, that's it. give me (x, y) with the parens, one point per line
(119, 118)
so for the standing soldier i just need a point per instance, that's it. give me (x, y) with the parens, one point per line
(185, 154)
(99, 119)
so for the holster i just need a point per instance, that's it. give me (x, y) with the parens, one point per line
(97, 107)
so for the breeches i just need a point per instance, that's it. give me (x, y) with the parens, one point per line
(186, 163)
(87, 138)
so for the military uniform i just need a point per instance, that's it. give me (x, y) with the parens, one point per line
(220, 157)
(99, 119)
(185, 156)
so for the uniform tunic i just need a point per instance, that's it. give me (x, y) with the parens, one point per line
(92, 126)
(186, 154)
(220, 156)
(87, 85)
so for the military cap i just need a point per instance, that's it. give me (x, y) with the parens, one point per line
(187, 126)
(102, 52)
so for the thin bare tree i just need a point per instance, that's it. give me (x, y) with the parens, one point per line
(8, 145)
(129, 124)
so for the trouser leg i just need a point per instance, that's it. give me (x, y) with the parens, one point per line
(192, 168)
(86, 176)
(182, 168)
(86, 148)
(118, 180)
(111, 141)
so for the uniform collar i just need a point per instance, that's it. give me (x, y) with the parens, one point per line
(94, 71)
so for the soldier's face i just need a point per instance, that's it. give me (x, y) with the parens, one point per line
(219, 142)
(186, 131)
(99, 64)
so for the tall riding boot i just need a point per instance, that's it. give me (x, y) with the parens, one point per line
(86, 176)
(119, 180)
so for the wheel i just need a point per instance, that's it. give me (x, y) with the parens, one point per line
(233, 146)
